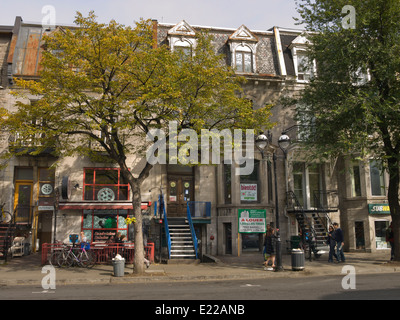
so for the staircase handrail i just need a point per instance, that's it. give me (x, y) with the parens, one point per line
(9, 237)
(322, 209)
(194, 238)
(166, 226)
(300, 210)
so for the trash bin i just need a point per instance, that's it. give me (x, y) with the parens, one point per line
(119, 267)
(297, 259)
(27, 249)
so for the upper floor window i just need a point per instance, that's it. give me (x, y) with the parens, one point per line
(308, 185)
(355, 179)
(305, 67)
(105, 184)
(243, 45)
(244, 61)
(377, 178)
(183, 48)
(182, 38)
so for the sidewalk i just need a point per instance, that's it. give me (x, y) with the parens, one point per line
(27, 270)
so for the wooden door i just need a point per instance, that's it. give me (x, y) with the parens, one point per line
(23, 201)
(180, 191)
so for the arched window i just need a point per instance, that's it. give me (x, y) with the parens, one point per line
(243, 44)
(244, 59)
(185, 47)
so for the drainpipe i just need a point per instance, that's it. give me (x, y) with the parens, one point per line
(278, 45)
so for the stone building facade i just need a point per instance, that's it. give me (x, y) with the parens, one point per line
(64, 199)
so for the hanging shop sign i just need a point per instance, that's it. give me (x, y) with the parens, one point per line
(382, 208)
(252, 220)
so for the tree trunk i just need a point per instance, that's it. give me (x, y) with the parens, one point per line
(135, 185)
(138, 225)
(393, 199)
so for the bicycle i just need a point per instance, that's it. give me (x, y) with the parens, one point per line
(6, 216)
(68, 256)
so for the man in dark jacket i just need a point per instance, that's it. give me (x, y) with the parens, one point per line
(338, 236)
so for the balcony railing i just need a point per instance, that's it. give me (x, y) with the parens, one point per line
(32, 144)
(200, 209)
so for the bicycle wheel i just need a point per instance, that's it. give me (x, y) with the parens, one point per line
(65, 259)
(53, 259)
(92, 259)
(5, 217)
(86, 259)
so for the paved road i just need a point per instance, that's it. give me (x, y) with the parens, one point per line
(374, 287)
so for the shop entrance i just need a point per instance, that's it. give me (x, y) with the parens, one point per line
(228, 237)
(180, 190)
(23, 201)
(360, 239)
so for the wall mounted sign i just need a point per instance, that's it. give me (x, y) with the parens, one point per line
(382, 208)
(252, 220)
(248, 191)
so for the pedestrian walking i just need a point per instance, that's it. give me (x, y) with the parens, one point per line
(390, 239)
(338, 235)
(331, 242)
(270, 244)
(265, 247)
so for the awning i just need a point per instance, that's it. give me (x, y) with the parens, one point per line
(97, 205)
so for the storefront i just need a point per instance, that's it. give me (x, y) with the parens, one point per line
(379, 214)
(252, 226)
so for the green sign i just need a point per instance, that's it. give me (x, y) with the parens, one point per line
(382, 208)
(252, 220)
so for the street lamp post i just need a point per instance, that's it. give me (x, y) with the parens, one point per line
(262, 143)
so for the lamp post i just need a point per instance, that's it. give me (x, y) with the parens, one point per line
(262, 142)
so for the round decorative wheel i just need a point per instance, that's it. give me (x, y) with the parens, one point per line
(106, 194)
(47, 189)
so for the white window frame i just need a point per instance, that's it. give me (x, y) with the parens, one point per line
(242, 47)
(296, 52)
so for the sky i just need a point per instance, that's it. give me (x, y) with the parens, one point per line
(255, 14)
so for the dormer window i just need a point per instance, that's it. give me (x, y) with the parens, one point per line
(243, 50)
(184, 47)
(244, 60)
(182, 38)
(304, 68)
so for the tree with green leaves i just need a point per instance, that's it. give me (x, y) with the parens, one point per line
(352, 105)
(111, 85)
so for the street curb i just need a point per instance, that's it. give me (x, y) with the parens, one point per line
(160, 276)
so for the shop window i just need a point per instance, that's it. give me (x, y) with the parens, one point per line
(380, 234)
(103, 225)
(46, 189)
(249, 185)
(104, 184)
